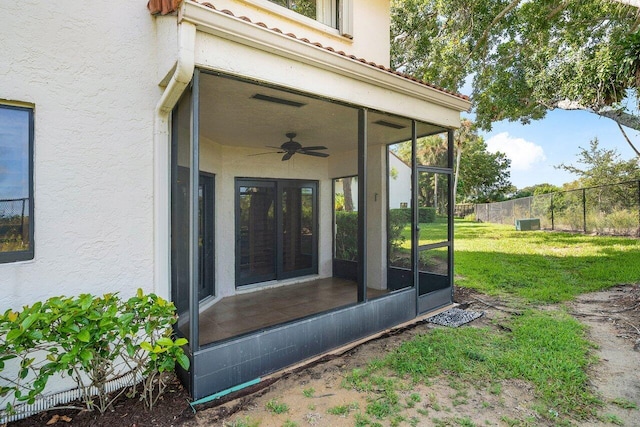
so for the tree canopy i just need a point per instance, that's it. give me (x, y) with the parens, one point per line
(525, 57)
(601, 166)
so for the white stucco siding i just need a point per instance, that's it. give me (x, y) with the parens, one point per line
(89, 71)
(400, 186)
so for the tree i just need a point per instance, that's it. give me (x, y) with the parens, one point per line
(479, 175)
(602, 166)
(536, 190)
(526, 56)
(484, 176)
(463, 136)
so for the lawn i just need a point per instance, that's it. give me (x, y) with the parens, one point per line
(525, 268)
(539, 266)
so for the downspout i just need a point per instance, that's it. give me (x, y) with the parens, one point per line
(182, 75)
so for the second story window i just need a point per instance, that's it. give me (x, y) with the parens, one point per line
(16, 189)
(324, 11)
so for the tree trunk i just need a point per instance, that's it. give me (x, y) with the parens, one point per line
(457, 174)
(348, 195)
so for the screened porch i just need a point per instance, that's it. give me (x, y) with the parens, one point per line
(293, 216)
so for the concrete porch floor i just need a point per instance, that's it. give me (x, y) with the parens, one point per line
(240, 314)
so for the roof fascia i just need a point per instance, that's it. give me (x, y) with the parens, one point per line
(224, 25)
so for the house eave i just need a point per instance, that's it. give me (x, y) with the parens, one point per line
(238, 30)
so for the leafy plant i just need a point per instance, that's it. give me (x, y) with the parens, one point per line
(92, 340)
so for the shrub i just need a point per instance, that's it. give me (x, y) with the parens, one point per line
(398, 220)
(426, 215)
(624, 222)
(93, 340)
(347, 235)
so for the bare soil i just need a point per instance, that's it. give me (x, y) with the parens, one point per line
(612, 318)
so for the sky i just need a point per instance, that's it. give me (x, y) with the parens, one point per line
(535, 149)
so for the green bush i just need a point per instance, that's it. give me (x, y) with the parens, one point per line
(398, 220)
(426, 215)
(347, 235)
(404, 214)
(622, 221)
(93, 340)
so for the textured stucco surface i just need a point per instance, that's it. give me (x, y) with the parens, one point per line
(89, 70)
(370, 26)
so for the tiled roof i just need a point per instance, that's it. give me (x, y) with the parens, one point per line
(163, 7)
(167, 6)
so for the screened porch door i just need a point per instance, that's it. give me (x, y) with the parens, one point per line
(434, 237)
(276, 230)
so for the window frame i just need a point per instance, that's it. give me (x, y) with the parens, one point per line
(24, 255)
(334, 17)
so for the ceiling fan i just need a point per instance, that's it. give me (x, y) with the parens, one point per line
(292, 147)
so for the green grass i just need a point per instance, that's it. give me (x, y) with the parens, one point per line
(541, 267)
(555, 363)
(624, 403)
(277, 407)
(342, 410)
(243, 422)
(535, 266)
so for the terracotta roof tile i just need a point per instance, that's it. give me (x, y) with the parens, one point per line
(163, 7)
(168, 6)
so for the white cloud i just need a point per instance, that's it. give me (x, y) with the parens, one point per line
(522, 153)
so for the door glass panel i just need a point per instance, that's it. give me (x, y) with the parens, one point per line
(400, 273)
(433, 270)
(432, 150)
(205, 239)
(297, 228)
(257, 233)
(433, 205)
(346, 218)
(180, 206)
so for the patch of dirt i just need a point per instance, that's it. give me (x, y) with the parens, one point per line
(612, 318)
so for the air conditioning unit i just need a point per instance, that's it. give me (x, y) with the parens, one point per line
(528, 224)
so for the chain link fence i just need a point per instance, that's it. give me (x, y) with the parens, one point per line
(608, 209)
(14, 224)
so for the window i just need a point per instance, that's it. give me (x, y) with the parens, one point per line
(16, 183)
(324, 11)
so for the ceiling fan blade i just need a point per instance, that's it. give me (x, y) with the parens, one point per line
(318, 147)
(287, 156)
(313, 153)
(268, 152)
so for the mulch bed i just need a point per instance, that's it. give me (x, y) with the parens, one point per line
(171, 410)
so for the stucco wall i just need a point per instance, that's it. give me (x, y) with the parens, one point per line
(400, 186)
(370, 26)
(89, 70)
(228, 163)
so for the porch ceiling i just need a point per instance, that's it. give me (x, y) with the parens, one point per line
(230, 115)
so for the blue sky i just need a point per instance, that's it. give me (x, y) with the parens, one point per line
(535, 149)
